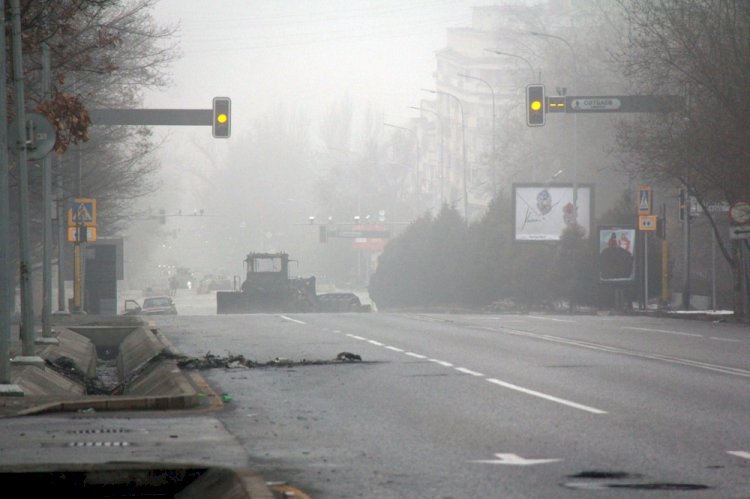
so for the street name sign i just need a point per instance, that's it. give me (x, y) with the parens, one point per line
(596, 104)
(621, 104)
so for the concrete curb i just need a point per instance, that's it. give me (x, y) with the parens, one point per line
(151, 380)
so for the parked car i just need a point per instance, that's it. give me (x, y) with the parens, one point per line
(153, 305)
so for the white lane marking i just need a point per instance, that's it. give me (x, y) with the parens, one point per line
(549, 319)
(469, 371)
(663, 331)
(336, 331)
(514, 460)
(377, 343)
(621, 351)
(416, 355)
(739, 453)
(534, 393)
(292, 320)
(356, 337)
(441, 362)
(725, 339)
(395, 349)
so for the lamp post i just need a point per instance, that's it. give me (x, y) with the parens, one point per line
(440, 124)
(416, 140)
(463, 147)
(575, 119)
(531, 67)
(494, 148)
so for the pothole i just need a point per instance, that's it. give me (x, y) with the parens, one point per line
(602, 480)
(602, 475)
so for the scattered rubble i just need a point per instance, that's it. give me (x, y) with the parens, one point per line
(211, 361)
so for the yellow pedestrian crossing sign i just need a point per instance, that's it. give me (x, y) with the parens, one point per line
(644, 200)
(82, 211)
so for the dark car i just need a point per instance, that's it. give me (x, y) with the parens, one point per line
(153, 305)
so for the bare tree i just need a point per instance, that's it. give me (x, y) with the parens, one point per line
(701, 49)
(103, 54)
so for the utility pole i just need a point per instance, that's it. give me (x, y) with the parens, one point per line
(6, 388)
(27, 304)
(47, 222)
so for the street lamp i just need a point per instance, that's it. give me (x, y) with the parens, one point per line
(494, 149)
(440, 124)
(531, 68)
(416, 140)
(575, 120)
(463, 147)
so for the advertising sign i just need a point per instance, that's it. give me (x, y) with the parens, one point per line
(543, 211)
(616, 254)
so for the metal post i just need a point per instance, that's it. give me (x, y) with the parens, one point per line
(665, 272)
(5, 273)
(47, 222)
(686, 249)
(463, 144)
(645, 269)
(27, 303)
(61, 238)
(439, 124)
(713, 270)
(493, 165)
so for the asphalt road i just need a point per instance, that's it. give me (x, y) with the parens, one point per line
(467, 406)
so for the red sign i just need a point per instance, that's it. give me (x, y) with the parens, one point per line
(369, 244)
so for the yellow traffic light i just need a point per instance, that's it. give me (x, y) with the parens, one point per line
(222, 122)
(535, 105)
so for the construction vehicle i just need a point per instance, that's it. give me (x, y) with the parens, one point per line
(268, 288)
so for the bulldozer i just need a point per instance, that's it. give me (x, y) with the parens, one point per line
(268, 288)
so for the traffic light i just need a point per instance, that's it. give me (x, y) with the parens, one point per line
(222, 117)
(535, 105)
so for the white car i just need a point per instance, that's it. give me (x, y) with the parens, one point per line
(153, 305)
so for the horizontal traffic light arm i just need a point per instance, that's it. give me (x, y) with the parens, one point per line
(614, 103)
(144, 117)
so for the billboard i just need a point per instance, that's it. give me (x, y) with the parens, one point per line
(542, 211)
(616, 254)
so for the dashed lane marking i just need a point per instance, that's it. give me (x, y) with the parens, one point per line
(550, 319)
(291, 320)
(495, 381)
(441, 362)
(665, 331)
(739, 453)
(551, 398)
(470, 372)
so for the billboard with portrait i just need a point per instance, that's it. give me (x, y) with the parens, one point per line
(616, 254)
(542, 211)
